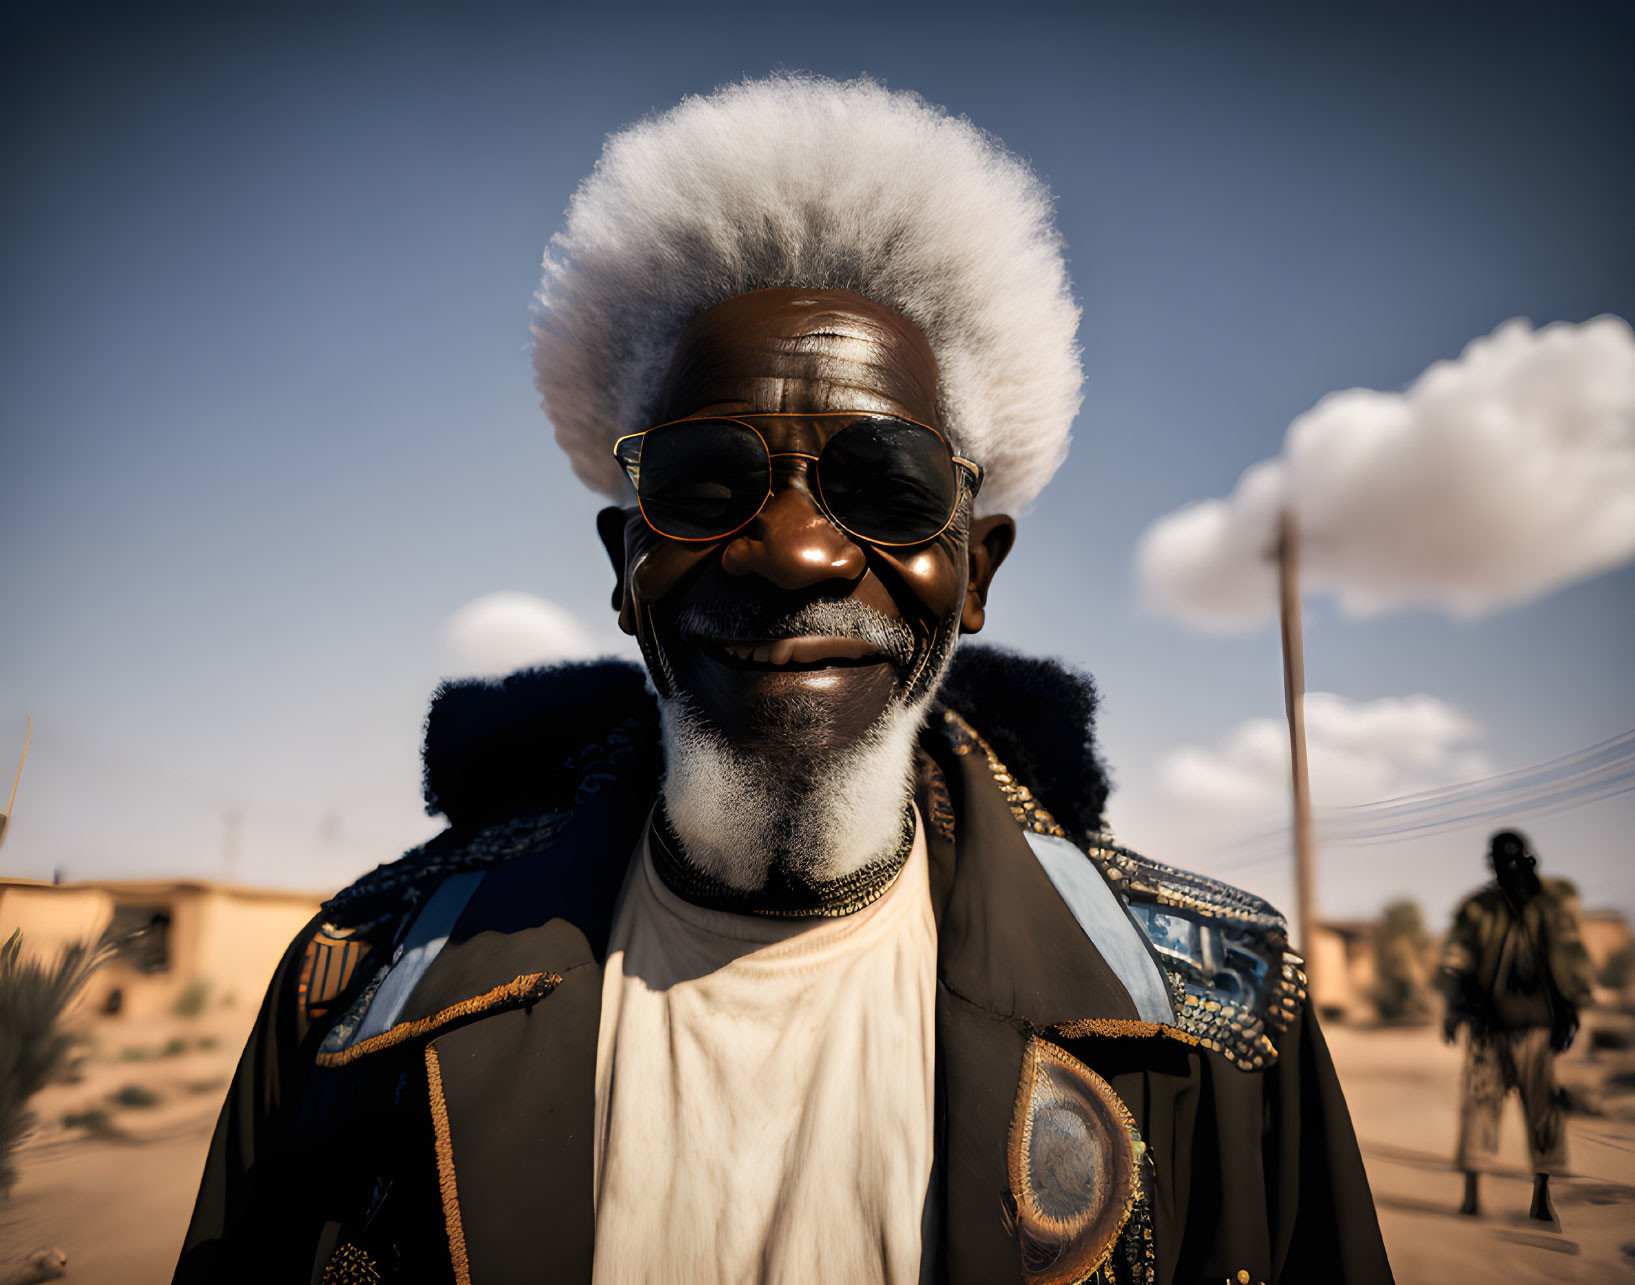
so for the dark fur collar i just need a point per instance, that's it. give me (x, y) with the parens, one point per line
(499, 749)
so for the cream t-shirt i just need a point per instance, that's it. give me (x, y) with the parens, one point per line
(764, 1089)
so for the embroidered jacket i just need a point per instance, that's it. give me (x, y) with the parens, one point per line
(416, 1101)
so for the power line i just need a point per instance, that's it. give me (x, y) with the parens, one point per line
(1610, 756)
(1596, 772)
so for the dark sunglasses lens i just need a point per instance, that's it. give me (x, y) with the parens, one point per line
(702, 478)
(888, 481)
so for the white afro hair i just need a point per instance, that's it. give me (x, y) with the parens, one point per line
(803, 181)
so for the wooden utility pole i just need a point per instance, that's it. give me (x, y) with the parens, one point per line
(232, 824)
(1294, 700)
(5, 817)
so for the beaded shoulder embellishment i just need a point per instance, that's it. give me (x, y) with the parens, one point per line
(1234, 983)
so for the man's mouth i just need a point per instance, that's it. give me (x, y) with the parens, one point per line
(812, 651)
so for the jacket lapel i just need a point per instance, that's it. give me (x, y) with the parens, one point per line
(1006, 942)
(512, 1093)
(1011, 961)
(512, 1114)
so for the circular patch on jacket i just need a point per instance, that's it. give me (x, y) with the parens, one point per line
(1075, 1166)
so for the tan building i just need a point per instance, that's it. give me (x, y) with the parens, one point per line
(1606, 932)
(1343, 960)
(1342, 968)
(215, 943)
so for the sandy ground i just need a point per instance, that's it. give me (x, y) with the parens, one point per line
(118, 1207)
(1402, 1085)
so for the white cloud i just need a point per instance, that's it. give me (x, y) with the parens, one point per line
(1357, 752)
(500, 632)
(1493, 479)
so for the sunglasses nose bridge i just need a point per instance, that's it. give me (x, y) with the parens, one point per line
(793, 542)
(796, 471)
(791, 466)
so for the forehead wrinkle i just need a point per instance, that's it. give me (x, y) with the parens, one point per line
(843, 380)
(821, 324)
(785, 351)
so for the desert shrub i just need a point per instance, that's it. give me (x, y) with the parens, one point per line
(1611, 1039)
(34, 1045)
(133, 1095)
(1399, 968)
(194, 996)
(175, 1046)
(94, 1120)
(1619, 970)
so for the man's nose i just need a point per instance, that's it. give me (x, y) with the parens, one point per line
(792, 544)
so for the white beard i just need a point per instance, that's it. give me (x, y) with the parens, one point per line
(819, 817)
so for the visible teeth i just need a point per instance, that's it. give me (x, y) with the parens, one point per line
(773, 653)
(786, 651)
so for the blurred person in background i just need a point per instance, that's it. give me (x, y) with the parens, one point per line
(1515, 974)
(803, 955)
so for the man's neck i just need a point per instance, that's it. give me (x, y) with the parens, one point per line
(786, 894)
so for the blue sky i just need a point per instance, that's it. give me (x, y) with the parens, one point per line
(268, 420)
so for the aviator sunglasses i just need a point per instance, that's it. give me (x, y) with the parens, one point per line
(884, 479)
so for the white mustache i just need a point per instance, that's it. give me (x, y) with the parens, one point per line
(836, 618)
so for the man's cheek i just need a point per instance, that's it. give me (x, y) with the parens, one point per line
(657, 566)
(934, 577)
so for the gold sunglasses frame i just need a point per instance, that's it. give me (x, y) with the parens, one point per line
(968, 473)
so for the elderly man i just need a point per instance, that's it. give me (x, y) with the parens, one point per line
(802, 957)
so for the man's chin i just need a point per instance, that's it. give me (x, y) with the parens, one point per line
(810, 780)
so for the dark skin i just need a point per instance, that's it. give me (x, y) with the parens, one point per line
(791, 350)
(1516, 873)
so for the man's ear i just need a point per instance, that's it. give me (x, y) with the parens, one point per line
(610, 523)
(989, 541)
